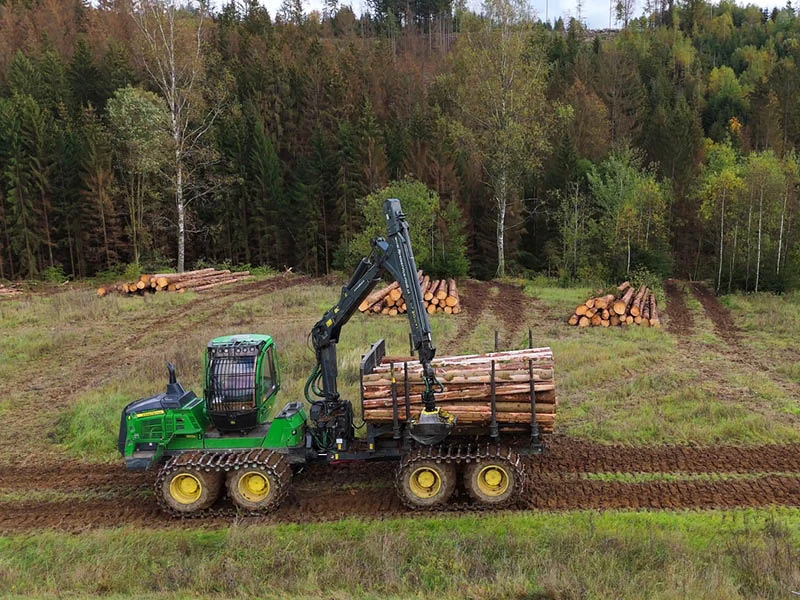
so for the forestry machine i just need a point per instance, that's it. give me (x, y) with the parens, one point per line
(226, 438)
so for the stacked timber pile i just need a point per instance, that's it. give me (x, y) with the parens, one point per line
(202, 279)
(628, 306)
(9, 291)
(467, 382)
(438, 296)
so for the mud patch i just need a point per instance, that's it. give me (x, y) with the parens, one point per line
(719, 315)
(556, 481)
(681, 322)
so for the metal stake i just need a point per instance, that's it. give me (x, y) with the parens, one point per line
(395, 416)
(535, 439)
(493, 430)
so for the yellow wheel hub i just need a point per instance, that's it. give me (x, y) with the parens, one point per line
(185, 488)
(254, 486)
(425, 482)
(493, 480)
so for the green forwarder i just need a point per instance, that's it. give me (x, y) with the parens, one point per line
(226, 440)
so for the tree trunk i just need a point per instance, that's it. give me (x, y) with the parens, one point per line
(733, 256)
(8, 239)
(181, 215)
(501, 226)
(47, 237)
(629, 253)
(721, 240)
(780, 236)
(760, 222)
(749, 239)
(105, 230)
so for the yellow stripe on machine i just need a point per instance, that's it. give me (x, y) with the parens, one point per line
(148, 413)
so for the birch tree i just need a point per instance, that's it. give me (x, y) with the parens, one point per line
(721, 181)
(174, 57)
(764, 172)
(502, 110)
(791, 171)
(137, 120)
(574, 222)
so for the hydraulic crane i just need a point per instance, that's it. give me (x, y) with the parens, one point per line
(332, 415)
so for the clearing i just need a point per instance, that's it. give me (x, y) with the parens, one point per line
(701, 414)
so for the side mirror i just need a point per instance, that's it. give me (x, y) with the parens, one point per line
(171, 370)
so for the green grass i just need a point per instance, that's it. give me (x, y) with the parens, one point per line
(728, 554)
(770, 326)
(645, 386)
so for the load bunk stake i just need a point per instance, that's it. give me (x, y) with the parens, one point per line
(536, 442)
(395, 417)
(493, 430)
(408, 395)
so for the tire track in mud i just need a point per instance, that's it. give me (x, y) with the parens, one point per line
(557, 481)
(681, 322)
(719, 315)
(508, 307)
(327, 504)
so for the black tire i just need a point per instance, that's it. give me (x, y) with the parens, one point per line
(493, 481)
(426, 483)
(187, 490)
(256, 488)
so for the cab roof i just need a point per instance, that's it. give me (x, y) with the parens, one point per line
(245, 339)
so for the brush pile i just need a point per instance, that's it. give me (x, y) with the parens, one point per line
(202, 279)
(628, 306)
(467, 382)
(9, 291)
(438, 295)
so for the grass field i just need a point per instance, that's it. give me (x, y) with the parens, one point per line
(725, 555)
(634, 385)
(71, 361)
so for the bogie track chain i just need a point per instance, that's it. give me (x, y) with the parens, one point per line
(462, 455)
(225, 462)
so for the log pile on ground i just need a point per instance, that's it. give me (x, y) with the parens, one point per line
(9, 291)
(198, 281)
(467, 382)
(628, 306)
(438, 296)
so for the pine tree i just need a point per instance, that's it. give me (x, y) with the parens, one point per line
(84, 77)
(97, 181)
(373, 153)
(266, 191)
(21, 215)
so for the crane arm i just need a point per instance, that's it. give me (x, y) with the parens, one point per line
(395, 255)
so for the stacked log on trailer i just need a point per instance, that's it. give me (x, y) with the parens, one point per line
(198, 281)
(468, 382)
(438, 296)
(9, 291)
(628, 306)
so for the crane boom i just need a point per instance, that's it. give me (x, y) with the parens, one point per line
(395, 255)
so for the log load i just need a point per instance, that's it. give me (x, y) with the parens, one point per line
(467, 383)
(438, 296)
(626, 306)
(9, 291)
(199, 280)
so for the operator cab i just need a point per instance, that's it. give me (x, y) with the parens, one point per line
(241, 381)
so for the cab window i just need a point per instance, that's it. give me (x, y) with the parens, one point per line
(268, 373)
